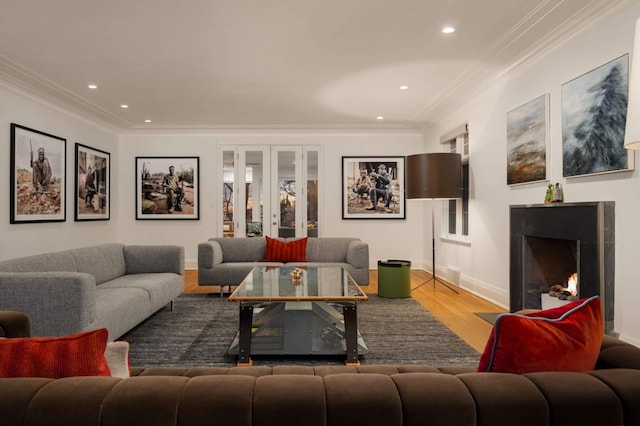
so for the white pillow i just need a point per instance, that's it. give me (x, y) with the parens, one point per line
(117, 356)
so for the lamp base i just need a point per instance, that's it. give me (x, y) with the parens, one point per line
(434, 279)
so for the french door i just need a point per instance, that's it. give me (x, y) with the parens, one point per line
(269, 190)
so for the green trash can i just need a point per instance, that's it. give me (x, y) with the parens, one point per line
(394, 278)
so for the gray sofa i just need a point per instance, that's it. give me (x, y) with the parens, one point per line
(227, 261)
(111, 285)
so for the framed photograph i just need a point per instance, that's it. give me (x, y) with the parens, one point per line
(93, 177)
(528, 142)
(38, 170)
(594, 111)
(167, 188)
(373, 188)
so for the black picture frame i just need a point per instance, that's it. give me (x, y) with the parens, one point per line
(93, 184)
(37, 199)
(152, 197)
(357, 202)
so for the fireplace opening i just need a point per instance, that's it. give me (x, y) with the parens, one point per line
(550, 272)
(548, 243)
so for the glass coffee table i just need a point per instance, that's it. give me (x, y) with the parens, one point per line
(312, 314)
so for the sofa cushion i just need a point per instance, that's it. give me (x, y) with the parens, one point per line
(566, 338)
(105, 262)
(153, 259)
(47, 262)
(120, 309)
(328, 249)
(291, 251)
(242, 249)
(160, 287)
(80, 354)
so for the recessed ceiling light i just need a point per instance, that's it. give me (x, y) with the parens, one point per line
(404, 87)
(379, 117)
(124, 106)
(448, 30)
(147, 121)
(92, 86)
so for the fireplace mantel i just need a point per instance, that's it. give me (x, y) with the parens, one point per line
(590, 224)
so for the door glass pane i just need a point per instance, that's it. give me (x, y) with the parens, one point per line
(228, 178)
(254, 213)
(312, 193)
(287, 194)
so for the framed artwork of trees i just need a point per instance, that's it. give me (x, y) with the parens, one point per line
(594, 112)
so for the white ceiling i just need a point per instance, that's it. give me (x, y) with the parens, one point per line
(273, 64)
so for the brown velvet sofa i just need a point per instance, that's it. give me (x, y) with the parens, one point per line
(328, 395)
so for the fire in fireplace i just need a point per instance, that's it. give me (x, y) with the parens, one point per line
(559, 294)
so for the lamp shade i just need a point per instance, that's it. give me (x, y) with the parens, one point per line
(434, 175)
(632, 132)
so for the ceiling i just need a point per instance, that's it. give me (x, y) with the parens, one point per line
(206, 64)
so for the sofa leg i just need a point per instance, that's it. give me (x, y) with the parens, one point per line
(172, 305)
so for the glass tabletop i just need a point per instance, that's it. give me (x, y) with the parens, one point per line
(326, 283)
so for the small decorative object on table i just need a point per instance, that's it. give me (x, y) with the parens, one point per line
(296, 276)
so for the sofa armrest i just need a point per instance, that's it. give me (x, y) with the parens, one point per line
(358, 254)
(209, 254)
(154, 258)
(14, 324)
(615, 353)
(57, 303)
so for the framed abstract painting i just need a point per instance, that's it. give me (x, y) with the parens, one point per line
(528, 142)
(594, 112)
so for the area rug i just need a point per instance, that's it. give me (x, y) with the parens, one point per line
(200, 328)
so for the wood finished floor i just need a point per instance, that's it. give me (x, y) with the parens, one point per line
(456, 311)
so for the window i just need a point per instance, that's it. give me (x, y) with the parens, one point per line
(456, 225)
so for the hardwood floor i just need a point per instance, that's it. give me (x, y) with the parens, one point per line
(456, 311)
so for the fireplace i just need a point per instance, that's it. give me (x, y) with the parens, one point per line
(549, 243)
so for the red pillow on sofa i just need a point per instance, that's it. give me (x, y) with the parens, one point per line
(80, 354)
(566, 338)
(292, 251)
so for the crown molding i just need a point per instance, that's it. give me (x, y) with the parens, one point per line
(473, 83)
(23, 80)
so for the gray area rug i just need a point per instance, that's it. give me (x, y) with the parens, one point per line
(201, 327)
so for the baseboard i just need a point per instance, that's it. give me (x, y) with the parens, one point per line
(485, 291)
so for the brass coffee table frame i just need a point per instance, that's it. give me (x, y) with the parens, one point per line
(280, 316)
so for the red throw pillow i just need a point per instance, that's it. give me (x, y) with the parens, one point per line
(566, 338)
(80, 354)
(292, 251)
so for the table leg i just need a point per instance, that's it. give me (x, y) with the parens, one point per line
(244, 338)
(350, 316)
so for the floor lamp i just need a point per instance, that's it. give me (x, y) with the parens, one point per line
(434, 176)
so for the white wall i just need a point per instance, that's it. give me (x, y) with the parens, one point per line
(388, 239)
(485, 264)
(33, 238)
